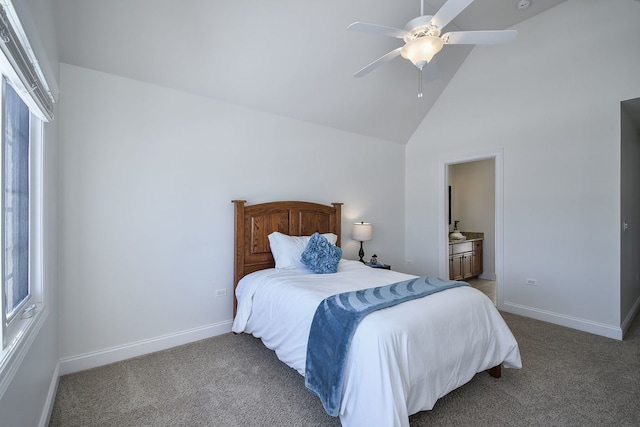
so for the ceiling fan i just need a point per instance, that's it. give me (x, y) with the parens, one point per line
(423, 40)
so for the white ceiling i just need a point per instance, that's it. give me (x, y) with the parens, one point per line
(288, 57)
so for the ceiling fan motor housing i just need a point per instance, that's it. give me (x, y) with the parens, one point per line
(419, 27)
(422, 41)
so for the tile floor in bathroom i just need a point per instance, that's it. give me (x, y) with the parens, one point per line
(488, 287)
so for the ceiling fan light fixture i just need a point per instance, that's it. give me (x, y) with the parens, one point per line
(421, 51)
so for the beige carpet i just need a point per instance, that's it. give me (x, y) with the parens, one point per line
(569, 378)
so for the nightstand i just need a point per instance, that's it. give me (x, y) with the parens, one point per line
(378, 265)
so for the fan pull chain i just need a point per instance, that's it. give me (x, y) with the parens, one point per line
(420, 83)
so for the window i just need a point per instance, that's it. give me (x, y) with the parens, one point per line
(19, 212)
(15, 202)
(25, 104)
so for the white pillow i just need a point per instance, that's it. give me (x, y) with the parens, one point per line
(287, 250)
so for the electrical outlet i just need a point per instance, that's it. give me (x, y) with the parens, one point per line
(532, 282)
(221, 292)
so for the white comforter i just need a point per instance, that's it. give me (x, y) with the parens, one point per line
(402, 359)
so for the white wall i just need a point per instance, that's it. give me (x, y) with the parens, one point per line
(147, 220)
(28, 399)
(551, 102)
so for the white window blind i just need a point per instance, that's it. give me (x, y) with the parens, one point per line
(16, 48)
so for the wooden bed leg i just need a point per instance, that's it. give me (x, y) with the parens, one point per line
(496, 371)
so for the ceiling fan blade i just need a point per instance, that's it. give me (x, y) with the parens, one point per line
(377, 29)
(479, 37)
(448, 12)
(378, 62)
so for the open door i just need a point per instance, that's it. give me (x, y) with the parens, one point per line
(475, 199)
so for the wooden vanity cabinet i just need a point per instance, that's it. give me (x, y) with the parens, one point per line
(476, 259)
(455, 267)
(465, 260)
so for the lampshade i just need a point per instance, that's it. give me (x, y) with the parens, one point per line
(362, 231)
(421, 50)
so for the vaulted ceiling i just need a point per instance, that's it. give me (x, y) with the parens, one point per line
(287, 57)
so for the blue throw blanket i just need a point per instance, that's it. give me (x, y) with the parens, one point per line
(335, 322)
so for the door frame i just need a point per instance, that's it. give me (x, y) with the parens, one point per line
(443, 213)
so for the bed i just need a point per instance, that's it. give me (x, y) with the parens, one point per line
(401, 359)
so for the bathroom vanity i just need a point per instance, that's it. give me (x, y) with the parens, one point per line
(465, 257)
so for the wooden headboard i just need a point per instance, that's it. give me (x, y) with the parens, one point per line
(254, 223)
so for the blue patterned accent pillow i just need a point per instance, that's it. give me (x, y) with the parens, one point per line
(320, 256)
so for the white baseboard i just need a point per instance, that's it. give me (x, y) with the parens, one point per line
(584, 325)
(51, 398)
(630, 316)
(487, 276)
(115, 354)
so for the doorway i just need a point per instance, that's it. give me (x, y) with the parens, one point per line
(629, 211)
(472, 193)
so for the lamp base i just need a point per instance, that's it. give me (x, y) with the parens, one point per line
(361, 253)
